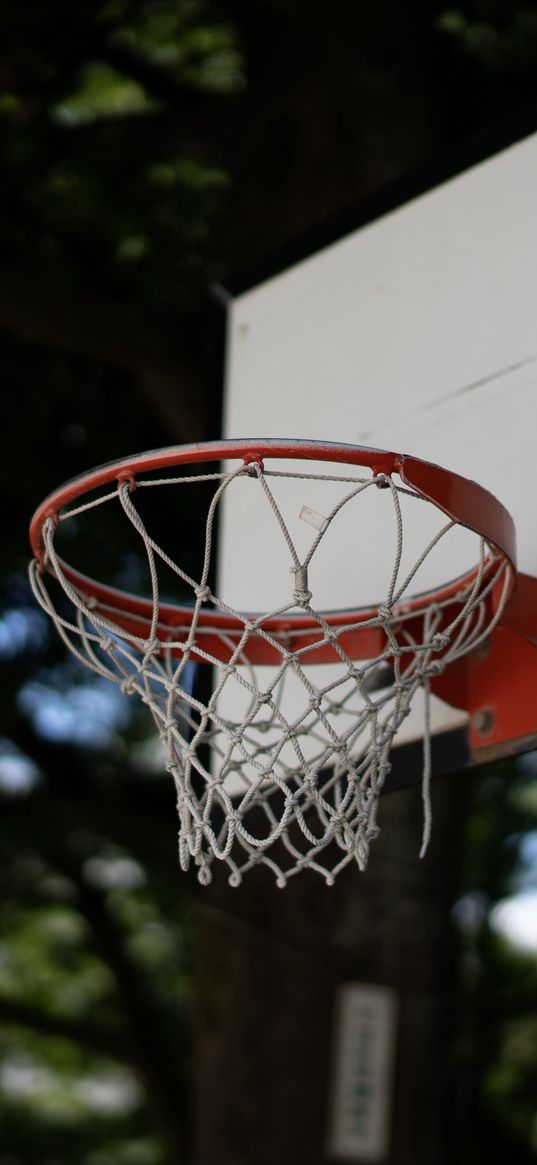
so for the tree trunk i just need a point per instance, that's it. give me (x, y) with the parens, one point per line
(269, 965)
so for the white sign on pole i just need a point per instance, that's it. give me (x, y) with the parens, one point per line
(359, 1127)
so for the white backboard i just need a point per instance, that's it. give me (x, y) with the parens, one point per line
(416, 332)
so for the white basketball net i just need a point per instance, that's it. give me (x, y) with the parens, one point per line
(290, 778)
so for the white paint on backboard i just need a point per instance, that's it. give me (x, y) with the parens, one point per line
(417, 333)
(420, 329)
(359, 1127)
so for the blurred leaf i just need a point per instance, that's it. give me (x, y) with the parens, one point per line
(101, 92)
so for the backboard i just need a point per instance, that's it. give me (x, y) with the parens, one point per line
(417, 332)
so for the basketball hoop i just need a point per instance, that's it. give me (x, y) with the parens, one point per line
(283, 761)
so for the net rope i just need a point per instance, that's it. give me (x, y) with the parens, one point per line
(291, 777)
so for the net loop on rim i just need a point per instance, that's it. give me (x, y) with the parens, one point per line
(283, 761)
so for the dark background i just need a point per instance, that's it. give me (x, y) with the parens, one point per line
(149, 151)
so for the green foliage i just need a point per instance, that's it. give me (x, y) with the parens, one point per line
(497, 1044)
(96, 172)
(89, 950)
(94, 921)
(177, 37)
(498, 35)
(41, 941)
(101, 92)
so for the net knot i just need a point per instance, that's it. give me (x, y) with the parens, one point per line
(372, 832)
(51, 523)
(128, 686)
(253, 468)
(204, 876)
(302, 598)
(202, 593)
(384, 613)
(435, 668)
(152, 648)
(310, 783)
(440, 641)
(348, 837)
(301, 594)
(330, 636)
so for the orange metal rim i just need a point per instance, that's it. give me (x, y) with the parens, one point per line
(462, 500)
